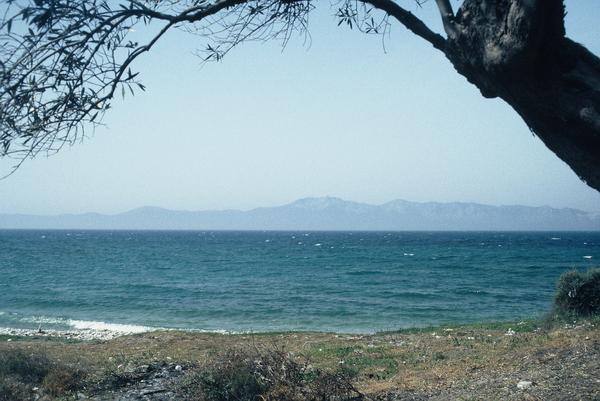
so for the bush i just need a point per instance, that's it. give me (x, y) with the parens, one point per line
(62, 379)
(578, 294)
(232, 379)
(20, 371)
(272, 375)
(13, 390)
(28, 367)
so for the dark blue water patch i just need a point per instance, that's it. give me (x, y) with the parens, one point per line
(365, 273)
(240, 281)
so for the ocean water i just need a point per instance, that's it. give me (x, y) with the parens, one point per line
(354, 282)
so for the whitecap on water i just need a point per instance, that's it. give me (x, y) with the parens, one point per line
(112, 327)
(43, 320)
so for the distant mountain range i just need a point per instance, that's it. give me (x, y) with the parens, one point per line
(325, 214)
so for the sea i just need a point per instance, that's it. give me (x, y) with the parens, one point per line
(232, 282)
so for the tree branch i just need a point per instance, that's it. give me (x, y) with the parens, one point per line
(63, 62)
(410, 21)
(193, 14)
(447, 17)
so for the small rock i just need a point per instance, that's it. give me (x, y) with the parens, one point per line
(143, 368)
(178, 368)
(152, 391)
(524, 384)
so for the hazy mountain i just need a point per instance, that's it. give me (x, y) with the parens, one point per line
(326, 214)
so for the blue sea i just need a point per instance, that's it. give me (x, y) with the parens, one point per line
(352, 282)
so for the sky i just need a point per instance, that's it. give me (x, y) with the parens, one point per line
(338, 116)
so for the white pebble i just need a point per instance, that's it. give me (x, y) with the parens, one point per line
(524, 384)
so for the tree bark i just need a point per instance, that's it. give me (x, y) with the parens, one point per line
(517, 50)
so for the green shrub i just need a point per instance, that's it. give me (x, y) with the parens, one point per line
(578, 294)
(253, 375)
(62, 379)
(28, 367)
(13, 390)
(20, 371)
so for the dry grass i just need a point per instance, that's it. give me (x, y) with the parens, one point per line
(476, 361)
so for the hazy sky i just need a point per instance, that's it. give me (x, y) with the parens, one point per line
(341, 117)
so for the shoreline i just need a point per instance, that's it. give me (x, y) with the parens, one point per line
(95, 334)
(81, 335)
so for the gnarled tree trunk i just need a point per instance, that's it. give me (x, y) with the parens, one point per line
(517, 50)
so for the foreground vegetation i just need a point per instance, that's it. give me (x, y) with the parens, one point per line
(554, 359)
(473, 362)
(577, 295)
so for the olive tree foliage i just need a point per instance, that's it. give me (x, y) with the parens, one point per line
(63, 62)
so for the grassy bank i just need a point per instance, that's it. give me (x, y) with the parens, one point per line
(466, 362)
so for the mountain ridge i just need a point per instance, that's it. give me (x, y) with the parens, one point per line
(327, 213)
